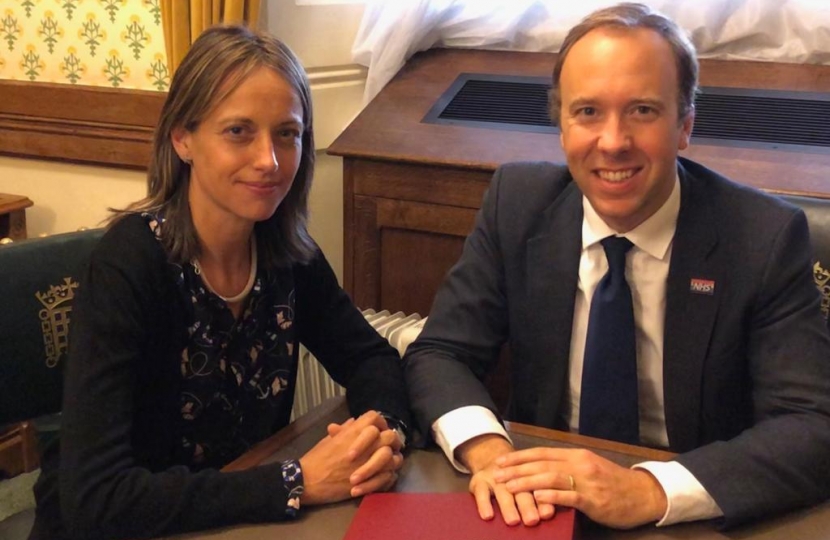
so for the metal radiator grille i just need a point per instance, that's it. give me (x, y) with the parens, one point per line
(725, 116)
(313, 383)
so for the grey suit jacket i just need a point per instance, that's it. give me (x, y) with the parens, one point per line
(746, 368)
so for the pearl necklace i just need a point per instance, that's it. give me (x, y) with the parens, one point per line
(248, 286)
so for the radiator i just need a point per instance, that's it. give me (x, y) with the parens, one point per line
(313, 383)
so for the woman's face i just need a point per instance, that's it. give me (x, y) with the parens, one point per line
(244, 153)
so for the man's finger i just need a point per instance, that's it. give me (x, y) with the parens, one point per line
(526, 505)
(507, 505)
(546, 511)
(482, 494)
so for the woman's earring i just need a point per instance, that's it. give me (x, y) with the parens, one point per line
(189, 161)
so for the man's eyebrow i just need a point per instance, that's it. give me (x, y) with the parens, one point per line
(652, 102)
(581, 102)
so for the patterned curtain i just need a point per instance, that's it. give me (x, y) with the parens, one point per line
(184, 20)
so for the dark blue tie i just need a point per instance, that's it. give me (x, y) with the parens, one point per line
(608, 402)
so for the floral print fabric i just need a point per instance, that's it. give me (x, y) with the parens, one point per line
(237, 374)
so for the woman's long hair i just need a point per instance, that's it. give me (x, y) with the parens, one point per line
(216, 64)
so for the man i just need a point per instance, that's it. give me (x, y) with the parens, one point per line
(730, 358)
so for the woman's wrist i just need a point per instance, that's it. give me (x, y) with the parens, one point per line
(292, 477)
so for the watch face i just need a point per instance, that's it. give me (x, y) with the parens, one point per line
(396, 425)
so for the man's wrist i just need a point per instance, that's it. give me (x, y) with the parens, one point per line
(656, 502)
(480, 452)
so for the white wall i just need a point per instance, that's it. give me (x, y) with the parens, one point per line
(69, 196)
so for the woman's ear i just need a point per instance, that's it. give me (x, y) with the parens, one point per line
(180, 138)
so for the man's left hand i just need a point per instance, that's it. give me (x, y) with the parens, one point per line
(607, 493)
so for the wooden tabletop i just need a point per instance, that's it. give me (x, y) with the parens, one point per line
(12, 203)
(429, 471)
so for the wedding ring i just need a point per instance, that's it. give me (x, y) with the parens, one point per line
(573, 484)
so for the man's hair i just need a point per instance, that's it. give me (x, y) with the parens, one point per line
(220, 59)
(634, 16)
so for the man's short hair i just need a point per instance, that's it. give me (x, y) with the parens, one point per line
(633, 16)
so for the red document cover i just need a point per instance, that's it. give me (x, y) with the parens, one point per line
(445, 516)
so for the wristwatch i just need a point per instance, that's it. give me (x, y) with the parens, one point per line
(398, 426)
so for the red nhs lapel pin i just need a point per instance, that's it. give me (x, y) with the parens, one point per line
(702, 286)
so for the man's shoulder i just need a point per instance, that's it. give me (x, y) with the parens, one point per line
(535, 174)
(732, 200)
(531, 183)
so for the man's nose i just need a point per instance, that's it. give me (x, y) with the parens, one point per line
(615, 135)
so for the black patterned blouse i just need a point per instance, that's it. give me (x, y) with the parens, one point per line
(237, 374)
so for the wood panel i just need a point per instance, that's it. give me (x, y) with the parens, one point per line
(413, 265)
(401, 251)
(86, 124)
(450, 186)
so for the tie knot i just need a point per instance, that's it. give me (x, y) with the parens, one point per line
(615, 249)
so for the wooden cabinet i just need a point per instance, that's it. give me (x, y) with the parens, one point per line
(412, 189)
(13, 216)
(404, 234)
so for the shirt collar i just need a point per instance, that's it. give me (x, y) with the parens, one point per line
(654, 235)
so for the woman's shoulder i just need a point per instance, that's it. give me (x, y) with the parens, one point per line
(130, 240)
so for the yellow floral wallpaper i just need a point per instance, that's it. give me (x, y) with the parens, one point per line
(117, 43)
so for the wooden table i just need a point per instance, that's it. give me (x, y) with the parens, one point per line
(13, 216)
(429, 471)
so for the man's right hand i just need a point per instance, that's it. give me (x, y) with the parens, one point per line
(479, 455)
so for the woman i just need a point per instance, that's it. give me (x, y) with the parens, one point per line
(185, 332)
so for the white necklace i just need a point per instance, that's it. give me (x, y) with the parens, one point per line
(248, 286)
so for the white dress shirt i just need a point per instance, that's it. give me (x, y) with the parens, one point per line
(647, 268)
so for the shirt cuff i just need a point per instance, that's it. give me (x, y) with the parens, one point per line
(687, 499)
(460, 425)
(292, 477)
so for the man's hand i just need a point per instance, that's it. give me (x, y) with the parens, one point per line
(357, 457)
(607, 493)
(479, 455)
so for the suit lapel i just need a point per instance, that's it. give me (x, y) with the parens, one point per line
(690, 312)
(553, 264)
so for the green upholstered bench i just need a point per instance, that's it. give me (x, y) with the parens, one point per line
(38, 282)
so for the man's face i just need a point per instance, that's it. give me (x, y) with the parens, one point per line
(619, 120)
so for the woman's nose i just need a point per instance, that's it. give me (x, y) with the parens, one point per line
(266, 158)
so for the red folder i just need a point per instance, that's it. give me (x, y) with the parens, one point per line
(445, 516)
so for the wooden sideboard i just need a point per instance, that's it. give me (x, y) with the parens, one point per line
(13, 216)
(412, 189)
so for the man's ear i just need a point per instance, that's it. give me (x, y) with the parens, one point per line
(180, 137)
(686, 126)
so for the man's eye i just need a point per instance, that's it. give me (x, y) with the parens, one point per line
(645, 110)
(586, 111)
(236, 130)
